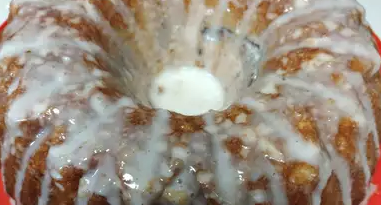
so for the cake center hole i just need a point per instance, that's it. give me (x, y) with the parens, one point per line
(189, 91)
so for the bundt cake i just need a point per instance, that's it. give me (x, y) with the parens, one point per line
(218, 102)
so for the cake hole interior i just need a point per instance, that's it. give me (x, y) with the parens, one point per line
(223, 67)
(187, 90)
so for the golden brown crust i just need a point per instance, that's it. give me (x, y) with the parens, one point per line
(10, 168)
(181, 125)
(98, 200)
(345, 139)
(300, 179)
(261, 184)
(12, 164)
(107, 9)
(371, 153)
(305, 124)
(267, 12)
(141, 116)
(70, 183)
(291, 62)
(13, 67)
(374, 90)
(234, 146)
(238, 114)
(332, 192)
(358, 185)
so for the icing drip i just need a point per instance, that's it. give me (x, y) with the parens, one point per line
(33, 147)
(278, 192)
(43, 199)
(228, 184)
(325, 171)
(102, 181)
(146, 164)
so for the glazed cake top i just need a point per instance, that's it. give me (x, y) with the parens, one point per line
(87, 89)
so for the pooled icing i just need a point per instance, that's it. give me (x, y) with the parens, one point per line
(180, 90)
(170, 157)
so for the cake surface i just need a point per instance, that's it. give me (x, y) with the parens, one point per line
(292, 86)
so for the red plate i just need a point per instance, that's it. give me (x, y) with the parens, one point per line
(2, 26)
(374, 200)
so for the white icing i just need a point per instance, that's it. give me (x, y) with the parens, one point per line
(276, 184)
(227, 184)
(330, 25)
(102, 181)
(259, 196)
(45, 189)
(144, 163)
(325, 172)
(31, 150)
(189, 91)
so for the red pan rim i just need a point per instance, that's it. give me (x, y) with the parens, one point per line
(2, 26)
